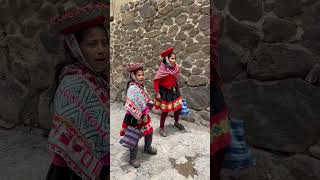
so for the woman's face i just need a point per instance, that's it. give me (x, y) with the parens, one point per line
(172, 59)
(139, 76)
(94, 47)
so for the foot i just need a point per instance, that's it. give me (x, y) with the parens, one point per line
(152, 151)
(163, 133)
(134, 163)
(179, 126)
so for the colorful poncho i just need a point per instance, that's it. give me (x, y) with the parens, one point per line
(80, 133)
(137, 102)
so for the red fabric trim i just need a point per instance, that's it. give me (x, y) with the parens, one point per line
(90, 23)
(219, 117)
(220, 143)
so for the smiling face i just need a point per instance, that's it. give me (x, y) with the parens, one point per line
(94, 46)
(139, 76)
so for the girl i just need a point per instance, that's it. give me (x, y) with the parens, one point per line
(168, 97)
(219, 125)
(138, 104)
(79, 137)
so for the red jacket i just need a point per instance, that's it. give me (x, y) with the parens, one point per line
(167, 82)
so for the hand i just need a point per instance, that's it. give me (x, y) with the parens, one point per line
(140, 121)
(145, 118)
(158, 96)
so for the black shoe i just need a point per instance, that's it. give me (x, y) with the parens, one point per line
(179, 126)
(163, 132)
(134, 163)
(151, 151)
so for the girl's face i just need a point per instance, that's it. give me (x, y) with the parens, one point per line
(94, 47)
(172, 59)
(140, 76)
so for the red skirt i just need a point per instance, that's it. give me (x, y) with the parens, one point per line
(129, 120)
(170, 100)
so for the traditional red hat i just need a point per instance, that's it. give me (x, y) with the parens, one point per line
(134, 66)
(84, 17)
(166, 52)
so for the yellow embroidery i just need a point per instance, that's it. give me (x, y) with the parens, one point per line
(220, 129)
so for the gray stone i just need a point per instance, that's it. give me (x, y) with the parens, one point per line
(166, 39)
(193, 48)
(181, 19)
(196, 71)
(147, 11)
(28, 114)
(277, 30)
(205, 10)
(197, 80)
(250, 10)
(230, 65)
(30, 27)
(193, 32)
(20, 72)
(187, 26)
(245, 35)
(203, 39)
(128, 18)
(205, 115)
(185, 72)
(267, 110)
(36, 4)
(204, 23)
(187, 63)
(177, 11)
(168, 21)
(11, 96)
(198, 98)
(178, 46)
(311, 39)
(268, 6)
(220, 4)
(315, 151)
(194, 9)
(173, 31)
(287, 8)
(313, 75)
(310, 17)
(189, 40)
(187, 2)
(12, 28)
(164, 30)
(206, 49)
(283, 61)
(152, 34)
(200, 63)
(5, 14)
(164, 11)
(47, 11)
(6, 124)
(181, 36)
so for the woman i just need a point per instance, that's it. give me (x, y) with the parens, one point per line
(79, 137)
(165, 83)
(138, 104)
(220, 130)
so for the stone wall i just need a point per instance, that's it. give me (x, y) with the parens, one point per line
(148, 27)
(270, 57)
(29, 53)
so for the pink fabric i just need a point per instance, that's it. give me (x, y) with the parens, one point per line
(146, 110)
(58, 161)
(165, 71)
